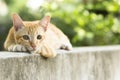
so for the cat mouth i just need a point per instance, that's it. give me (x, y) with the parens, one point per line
(31, 49)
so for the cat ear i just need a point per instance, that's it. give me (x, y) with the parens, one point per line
(44, 22)
(17, 22)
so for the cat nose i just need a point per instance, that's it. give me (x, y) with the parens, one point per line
(33, 46)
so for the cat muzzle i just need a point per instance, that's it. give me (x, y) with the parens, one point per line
(33, 46)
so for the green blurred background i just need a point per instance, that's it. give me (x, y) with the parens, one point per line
(85, 22)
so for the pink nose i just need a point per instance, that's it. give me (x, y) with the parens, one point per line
(33, 46)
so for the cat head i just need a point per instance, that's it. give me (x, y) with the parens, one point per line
(30, 33)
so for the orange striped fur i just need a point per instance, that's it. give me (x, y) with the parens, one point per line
(40, 37)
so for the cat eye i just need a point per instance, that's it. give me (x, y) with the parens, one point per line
(26, 37)
(39, 37)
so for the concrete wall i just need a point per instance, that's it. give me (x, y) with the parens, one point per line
(86, 63)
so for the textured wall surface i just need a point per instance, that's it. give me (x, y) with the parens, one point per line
(85, 63)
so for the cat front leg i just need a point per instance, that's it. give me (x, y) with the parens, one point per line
(16, 48)
(47, 51)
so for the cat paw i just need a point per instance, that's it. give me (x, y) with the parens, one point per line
(48, 52)
(66, 46)
(17, 48)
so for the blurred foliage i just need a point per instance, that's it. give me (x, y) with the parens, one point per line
(85, 22)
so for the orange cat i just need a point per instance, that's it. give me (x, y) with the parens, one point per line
(36, 37)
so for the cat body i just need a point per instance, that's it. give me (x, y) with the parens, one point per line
(36, 37)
